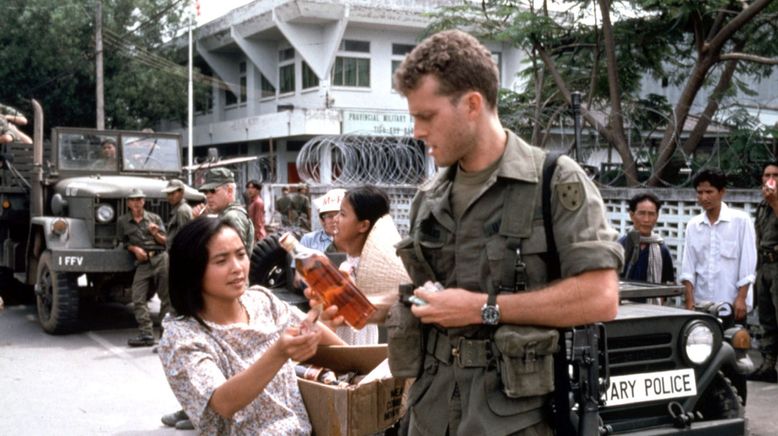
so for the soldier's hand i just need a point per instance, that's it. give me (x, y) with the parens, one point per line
(453, 307)
(140, 254)
(153, 229)
(329, 316)
(198, 209)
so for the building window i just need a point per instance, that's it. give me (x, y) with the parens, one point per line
(402, 49)
(286, 79)
(355, 46)
(286, 54)
(242, 71)
(267, 88)
(399, 51)
(204, 100)
(310, 80)
(351, 72)
(230, 99)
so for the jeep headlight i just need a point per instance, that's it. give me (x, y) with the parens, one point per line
(104, 213)
(698, 342)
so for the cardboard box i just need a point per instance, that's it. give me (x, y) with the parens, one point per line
(353, 410)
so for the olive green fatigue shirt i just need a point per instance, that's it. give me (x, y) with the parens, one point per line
(133, 233)
(468, 253)
(766, 283)
(766, 226)
(236, 214)
(150, 274)
(179, 216)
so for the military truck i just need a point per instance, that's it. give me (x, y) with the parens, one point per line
(60, 207)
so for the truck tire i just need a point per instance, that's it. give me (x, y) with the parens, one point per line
(269, 262)
(720, 400)
(57, 298)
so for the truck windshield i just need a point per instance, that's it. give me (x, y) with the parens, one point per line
(119, 152)
(150, 153)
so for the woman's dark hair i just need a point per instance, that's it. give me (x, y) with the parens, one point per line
(188, 261)
(643, 196)
(369, 203)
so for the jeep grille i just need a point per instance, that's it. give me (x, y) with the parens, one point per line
(641, 353)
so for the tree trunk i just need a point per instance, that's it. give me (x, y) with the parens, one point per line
(691, 143)
(707, 57)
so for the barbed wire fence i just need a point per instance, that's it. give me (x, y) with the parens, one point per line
(398, 165)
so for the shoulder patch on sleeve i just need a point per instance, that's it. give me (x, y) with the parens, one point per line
(570, 195)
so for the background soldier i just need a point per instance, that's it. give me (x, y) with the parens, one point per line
(284, 208)
(143, 234)
(767, 274)
(220, 194)
(302, 207)
(180, 212)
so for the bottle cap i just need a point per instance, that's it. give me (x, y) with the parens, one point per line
(288, 241)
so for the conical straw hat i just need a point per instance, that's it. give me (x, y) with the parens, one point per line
(380, 271)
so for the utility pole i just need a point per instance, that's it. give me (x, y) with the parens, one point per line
(99, 65)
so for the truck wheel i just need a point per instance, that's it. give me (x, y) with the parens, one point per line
(720, 400)
(269, 263)
(57, 298)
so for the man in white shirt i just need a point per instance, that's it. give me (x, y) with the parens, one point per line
(719, 255)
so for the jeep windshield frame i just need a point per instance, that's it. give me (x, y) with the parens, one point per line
(91, 151)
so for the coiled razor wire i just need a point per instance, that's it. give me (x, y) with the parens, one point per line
(348, 160)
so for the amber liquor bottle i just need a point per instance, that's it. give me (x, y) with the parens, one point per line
(330, 284)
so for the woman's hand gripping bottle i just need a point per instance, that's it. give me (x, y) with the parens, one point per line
(331, 285)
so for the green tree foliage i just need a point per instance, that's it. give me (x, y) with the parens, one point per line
(49, 55)
(605, 48)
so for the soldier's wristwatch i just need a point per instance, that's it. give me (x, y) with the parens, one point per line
(490, 312)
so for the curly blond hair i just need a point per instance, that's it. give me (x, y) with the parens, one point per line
(459, 62)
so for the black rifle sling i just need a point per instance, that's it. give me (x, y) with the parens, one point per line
(561, 399)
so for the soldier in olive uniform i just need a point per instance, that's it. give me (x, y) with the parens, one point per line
(220, 194)
(473, 226)
(180, 212)
(767, 274)
(143, 233)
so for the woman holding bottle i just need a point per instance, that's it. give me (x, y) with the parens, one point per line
(366, 232)
(227, 355)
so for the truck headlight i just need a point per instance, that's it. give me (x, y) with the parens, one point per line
(104, 213)
(698, 342)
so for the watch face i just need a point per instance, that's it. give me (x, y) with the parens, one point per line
(490, 315)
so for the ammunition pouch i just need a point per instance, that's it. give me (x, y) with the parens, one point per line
(404, 337)
(526, 361)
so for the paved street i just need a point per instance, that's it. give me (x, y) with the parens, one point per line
(92, 383)
(81, 384)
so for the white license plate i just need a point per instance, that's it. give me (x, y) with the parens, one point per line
(650, 386)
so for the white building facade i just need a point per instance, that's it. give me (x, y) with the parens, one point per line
(291, 70)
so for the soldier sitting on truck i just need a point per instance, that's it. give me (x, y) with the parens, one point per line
(107, 160)
(143, 233)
